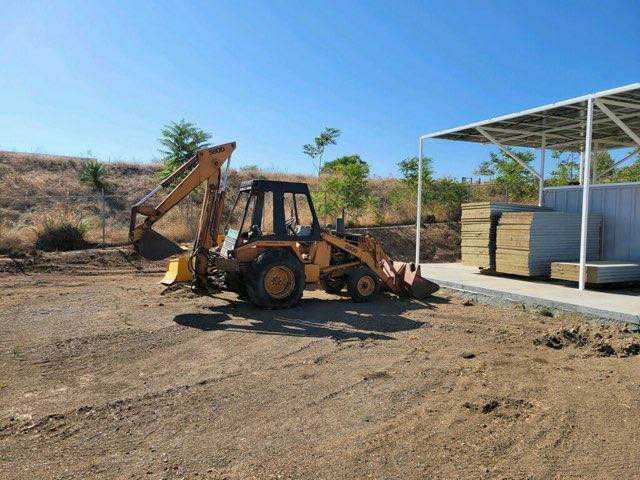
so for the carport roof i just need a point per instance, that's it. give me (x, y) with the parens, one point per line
(562, 124)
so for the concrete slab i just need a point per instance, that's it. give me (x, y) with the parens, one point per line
(620, 305)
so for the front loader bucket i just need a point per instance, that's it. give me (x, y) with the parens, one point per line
(404, 279)
(178, 270)
(414, 282)
(154, 246)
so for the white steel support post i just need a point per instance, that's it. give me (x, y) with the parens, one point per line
(419, 202)
(585, 195)
(543, 148)
(594, 161)
(581, 171)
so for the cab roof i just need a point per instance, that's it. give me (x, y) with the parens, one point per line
(261, 185)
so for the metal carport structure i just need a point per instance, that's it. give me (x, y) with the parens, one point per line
(608, 119)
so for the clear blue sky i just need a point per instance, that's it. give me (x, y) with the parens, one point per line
(105, 76)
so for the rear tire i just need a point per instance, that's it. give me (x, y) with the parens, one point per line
(362, 284)
(275, 280)
(333, 285)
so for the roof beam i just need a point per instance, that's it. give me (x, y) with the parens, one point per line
(578, 103)
(504, 150)
(523, 132)
(548, 115)
(618, 121)
(571, 126)
(578, 142)
(617, 103)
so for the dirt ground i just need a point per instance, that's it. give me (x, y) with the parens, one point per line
(109, 376)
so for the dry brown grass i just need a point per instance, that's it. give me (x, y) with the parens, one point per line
(181, 223)
(35, 186)
(16, 242)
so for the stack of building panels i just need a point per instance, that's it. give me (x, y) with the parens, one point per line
(610, 271)
(478, 231)
(528, 242)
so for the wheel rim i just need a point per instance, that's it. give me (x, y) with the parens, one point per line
(366, 285)
(279, 282)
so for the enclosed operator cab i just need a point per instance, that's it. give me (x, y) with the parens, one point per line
(270, 210)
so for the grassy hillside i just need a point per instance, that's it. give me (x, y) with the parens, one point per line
(37, 190)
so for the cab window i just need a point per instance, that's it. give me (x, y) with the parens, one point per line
(297, 215)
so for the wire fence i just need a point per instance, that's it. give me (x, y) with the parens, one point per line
(106, 217)
(423, 225)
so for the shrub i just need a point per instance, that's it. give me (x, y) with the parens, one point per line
(93, 174)
(61, 233)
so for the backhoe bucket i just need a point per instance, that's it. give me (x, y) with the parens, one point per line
(154, 246)
(178, 270)
(404, 279)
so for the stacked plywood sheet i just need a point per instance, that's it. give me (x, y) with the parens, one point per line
(598, 272)
(527, 242)
(478, 231)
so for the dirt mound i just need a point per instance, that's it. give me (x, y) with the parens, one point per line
(81, 261)
(600, 340)
(439, 242)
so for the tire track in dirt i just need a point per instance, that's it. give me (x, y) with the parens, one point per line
(97, 413)
(330, 390)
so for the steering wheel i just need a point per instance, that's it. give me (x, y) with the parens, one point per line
(289, 225)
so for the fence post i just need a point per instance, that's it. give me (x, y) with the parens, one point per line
(104, 216)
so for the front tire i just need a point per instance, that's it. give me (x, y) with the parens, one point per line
(362, 284)
(275, 280)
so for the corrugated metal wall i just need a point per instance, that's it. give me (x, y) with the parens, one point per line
(619, 204)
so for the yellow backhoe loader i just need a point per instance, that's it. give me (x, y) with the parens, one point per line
(273, 247)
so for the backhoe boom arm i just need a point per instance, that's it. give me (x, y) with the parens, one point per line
(204, 166)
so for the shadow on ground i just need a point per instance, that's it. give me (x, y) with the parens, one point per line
(316, 318)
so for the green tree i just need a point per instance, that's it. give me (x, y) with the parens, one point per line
(404, 193)
(315, 151)
(509, 176)
(181, 140)
(345, 187)
(442, 196)
(603, 163)
(448, 195)
(630, 173)
(344, 161)
(566, 172)
(409, 173)
(93, 174)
